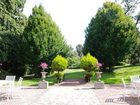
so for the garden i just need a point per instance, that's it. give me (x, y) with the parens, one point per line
(35, 48)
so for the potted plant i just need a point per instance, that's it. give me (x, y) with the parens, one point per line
(44, 66)
(98, 73)
(88, 63)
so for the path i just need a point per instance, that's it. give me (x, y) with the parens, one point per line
(70, 92)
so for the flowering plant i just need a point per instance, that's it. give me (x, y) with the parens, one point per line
(44, 65)
(98, 65)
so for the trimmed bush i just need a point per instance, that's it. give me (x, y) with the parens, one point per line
(88, 63)
(59, 64)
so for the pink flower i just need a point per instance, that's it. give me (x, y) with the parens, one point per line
(43, 65)
(98, 65)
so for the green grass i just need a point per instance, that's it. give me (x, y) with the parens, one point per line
(69, 74)
(120, 72)
(109, 78)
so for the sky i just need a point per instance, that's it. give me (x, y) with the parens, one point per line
(71, 16)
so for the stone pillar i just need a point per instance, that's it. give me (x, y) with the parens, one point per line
(99, 85)
(43, 85)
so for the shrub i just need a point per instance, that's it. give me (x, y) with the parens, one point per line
(74, 62)
(88, 63)
(59, 64)
(3, 74)
(59, 76)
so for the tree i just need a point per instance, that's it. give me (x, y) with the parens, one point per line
(79, 49)
(111, 35)
(131, 8)
(44, 39)
(134, 57)
(11, 28)
(12, 19)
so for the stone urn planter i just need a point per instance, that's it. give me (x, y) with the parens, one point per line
(98, 76)
(98, 84)
(43, 75)
(43, 84)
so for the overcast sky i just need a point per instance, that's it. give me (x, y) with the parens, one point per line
(72, 16)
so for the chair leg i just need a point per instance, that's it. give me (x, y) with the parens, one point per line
(124, 97)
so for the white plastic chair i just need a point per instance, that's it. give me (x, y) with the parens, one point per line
(19, 83)
(137, 86)
(6, 91)
(17, 88)
(127, 90)
(11, 78)
(134, 78)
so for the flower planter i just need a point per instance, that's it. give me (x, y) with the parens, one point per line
(43, 84)
(98, 84)
(43, 75)
(98, 76)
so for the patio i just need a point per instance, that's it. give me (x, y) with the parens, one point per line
(72, 93)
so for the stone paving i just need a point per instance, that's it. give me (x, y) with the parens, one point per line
(67, 93)
(68, 96)
(72, 92)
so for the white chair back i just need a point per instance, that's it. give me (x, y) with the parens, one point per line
(19, 83)
(134, 78)
(10, 78)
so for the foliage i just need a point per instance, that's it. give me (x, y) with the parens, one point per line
(74, 62)
(134, 57)
(11, 28)
(88, 62)
(59, 63)
(131, 8)
(79, 49)
(12, 54)
(73, 59)
(111, 35)
(59, 76)
(12, 19)
(43, 39)
(3, 74)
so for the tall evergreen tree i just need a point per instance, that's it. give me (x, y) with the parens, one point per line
(12, 23)
(79, 49)
(111, 35)
(44, 39)
(12, 19)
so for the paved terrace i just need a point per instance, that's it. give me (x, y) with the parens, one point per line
(71, 92)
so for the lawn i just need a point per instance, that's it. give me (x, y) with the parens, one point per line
(108, 78)
(121, 72)
(69, 74)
